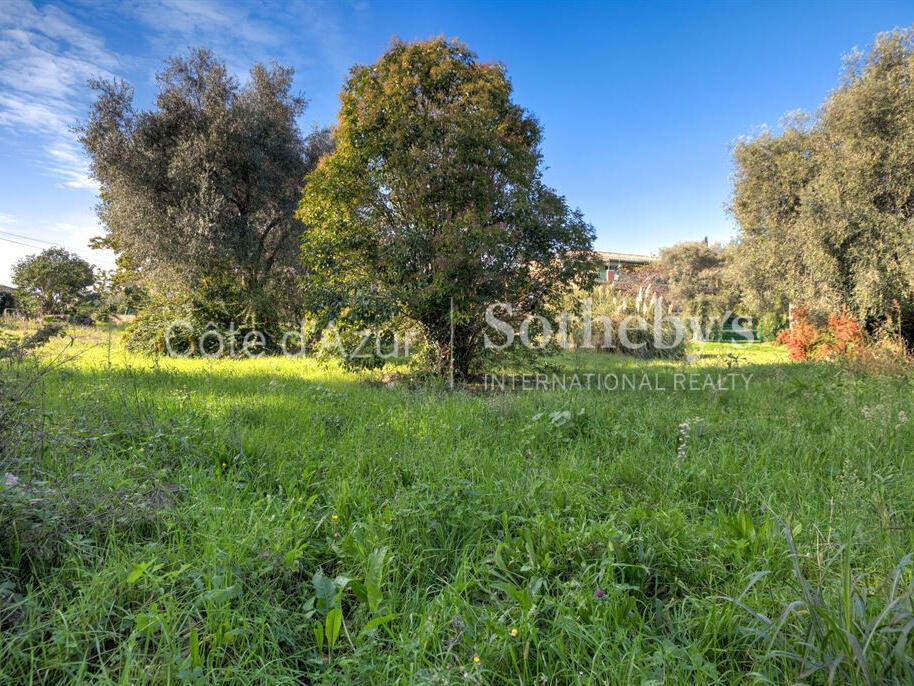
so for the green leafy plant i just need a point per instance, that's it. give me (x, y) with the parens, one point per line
(837, 629)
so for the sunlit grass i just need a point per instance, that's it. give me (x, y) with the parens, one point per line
(198, 521)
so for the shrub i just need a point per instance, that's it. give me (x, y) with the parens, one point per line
(844, 334)
(802, 337)
(844, 339)
(805, 341)
(351, 344)
(185, 318)
(888, 336)
(770, 325)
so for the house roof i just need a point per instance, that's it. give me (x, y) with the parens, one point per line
(625, 257)
(8, 289)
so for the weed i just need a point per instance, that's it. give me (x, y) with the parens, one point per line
(838, 629)
(191, 521)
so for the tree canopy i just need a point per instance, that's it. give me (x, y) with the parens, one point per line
(433, 195)
(826, 208)
(199, 193)
(698, 277)
(54, 281)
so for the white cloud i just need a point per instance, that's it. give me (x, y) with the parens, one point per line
(47, 54)
(205, 19)
(68, 163)
(46, 57)
(20, 113)
(243, 34)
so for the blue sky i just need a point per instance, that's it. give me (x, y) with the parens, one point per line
(640, 103)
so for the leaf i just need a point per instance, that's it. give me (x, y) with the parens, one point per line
(374, 596)
(291, 557)
(324, 589)
(358, 589)
(319, 635)
(194, 648)
(147, 623)
(137, 571)
(372, 625)
(218, 596)
(333, 624)
(373, 578)
(376, 565)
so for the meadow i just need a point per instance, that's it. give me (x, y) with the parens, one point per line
(285, 521)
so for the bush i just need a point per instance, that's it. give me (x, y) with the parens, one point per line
(770, 325)
(185, 319)
(802, 338)
(842, 338)
(846, 334)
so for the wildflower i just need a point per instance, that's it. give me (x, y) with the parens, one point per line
(224, 465)
(867, 412)
(685, 430)
(514, 631)
(902, 417)
(334, 517)
(599, 593)
(476, 659)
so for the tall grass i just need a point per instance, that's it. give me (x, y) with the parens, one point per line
(839, 628)
(284, 521)
(630, 323)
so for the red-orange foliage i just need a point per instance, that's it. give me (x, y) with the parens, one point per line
(804, 341)
(846, 331)
(801, 338)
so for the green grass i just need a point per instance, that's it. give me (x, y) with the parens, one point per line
(280, 521)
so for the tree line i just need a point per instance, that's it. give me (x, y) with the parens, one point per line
(425, 202)
(826, 207)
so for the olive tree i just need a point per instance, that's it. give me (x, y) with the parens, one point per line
(698, 277)
(826, 208)
(199, 193)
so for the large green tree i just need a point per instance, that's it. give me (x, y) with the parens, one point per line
(826, 208)
(434, 195)
(772, 175)
(54, 281)
(698, 278)
(199, 193)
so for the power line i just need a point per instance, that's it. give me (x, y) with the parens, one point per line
(28, 238)
(27, 245)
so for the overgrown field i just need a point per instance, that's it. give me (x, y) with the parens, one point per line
(279, 521)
